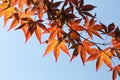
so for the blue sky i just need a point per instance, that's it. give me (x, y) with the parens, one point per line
(19, 61)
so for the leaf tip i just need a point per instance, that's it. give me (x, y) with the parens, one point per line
(43, 55)
(72, 58)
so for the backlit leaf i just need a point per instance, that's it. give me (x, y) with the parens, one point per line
(99, 62)
(83, 55)
(57, 52)
(93, 57)
(51, 46)
(40, 13)
(64, 48)
(14, 24)
(38, 33)
(106, 60)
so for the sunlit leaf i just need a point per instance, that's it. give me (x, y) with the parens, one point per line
(99, 62)
(57, 52)
(38, 33)
(14, 24)
(106, 60)
(51, 46)
(64, 48)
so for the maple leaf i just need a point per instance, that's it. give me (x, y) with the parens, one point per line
(106, 59)
(111, 30)
(84, 9)
(29, 27)
(81, 49)
(56, 46)
(52, 44)
(54, 30)
(103, 57)
(7, 14)
(92, 28)
(6, 11)
(64, 28)
(93, 55)
(75, 25)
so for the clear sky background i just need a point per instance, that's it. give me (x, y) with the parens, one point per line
(19, 61)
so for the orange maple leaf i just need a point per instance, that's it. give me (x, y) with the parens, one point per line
(92, 28)
(56, 46)
(75, 25)
(82, 49)
(103, 57)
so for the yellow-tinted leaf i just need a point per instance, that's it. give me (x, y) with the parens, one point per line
(4, 5)
(35, 1)
(7, 14)
(109, 54)
(106, 60)
(51, 46)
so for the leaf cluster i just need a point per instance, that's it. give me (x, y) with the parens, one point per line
(70, 26)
